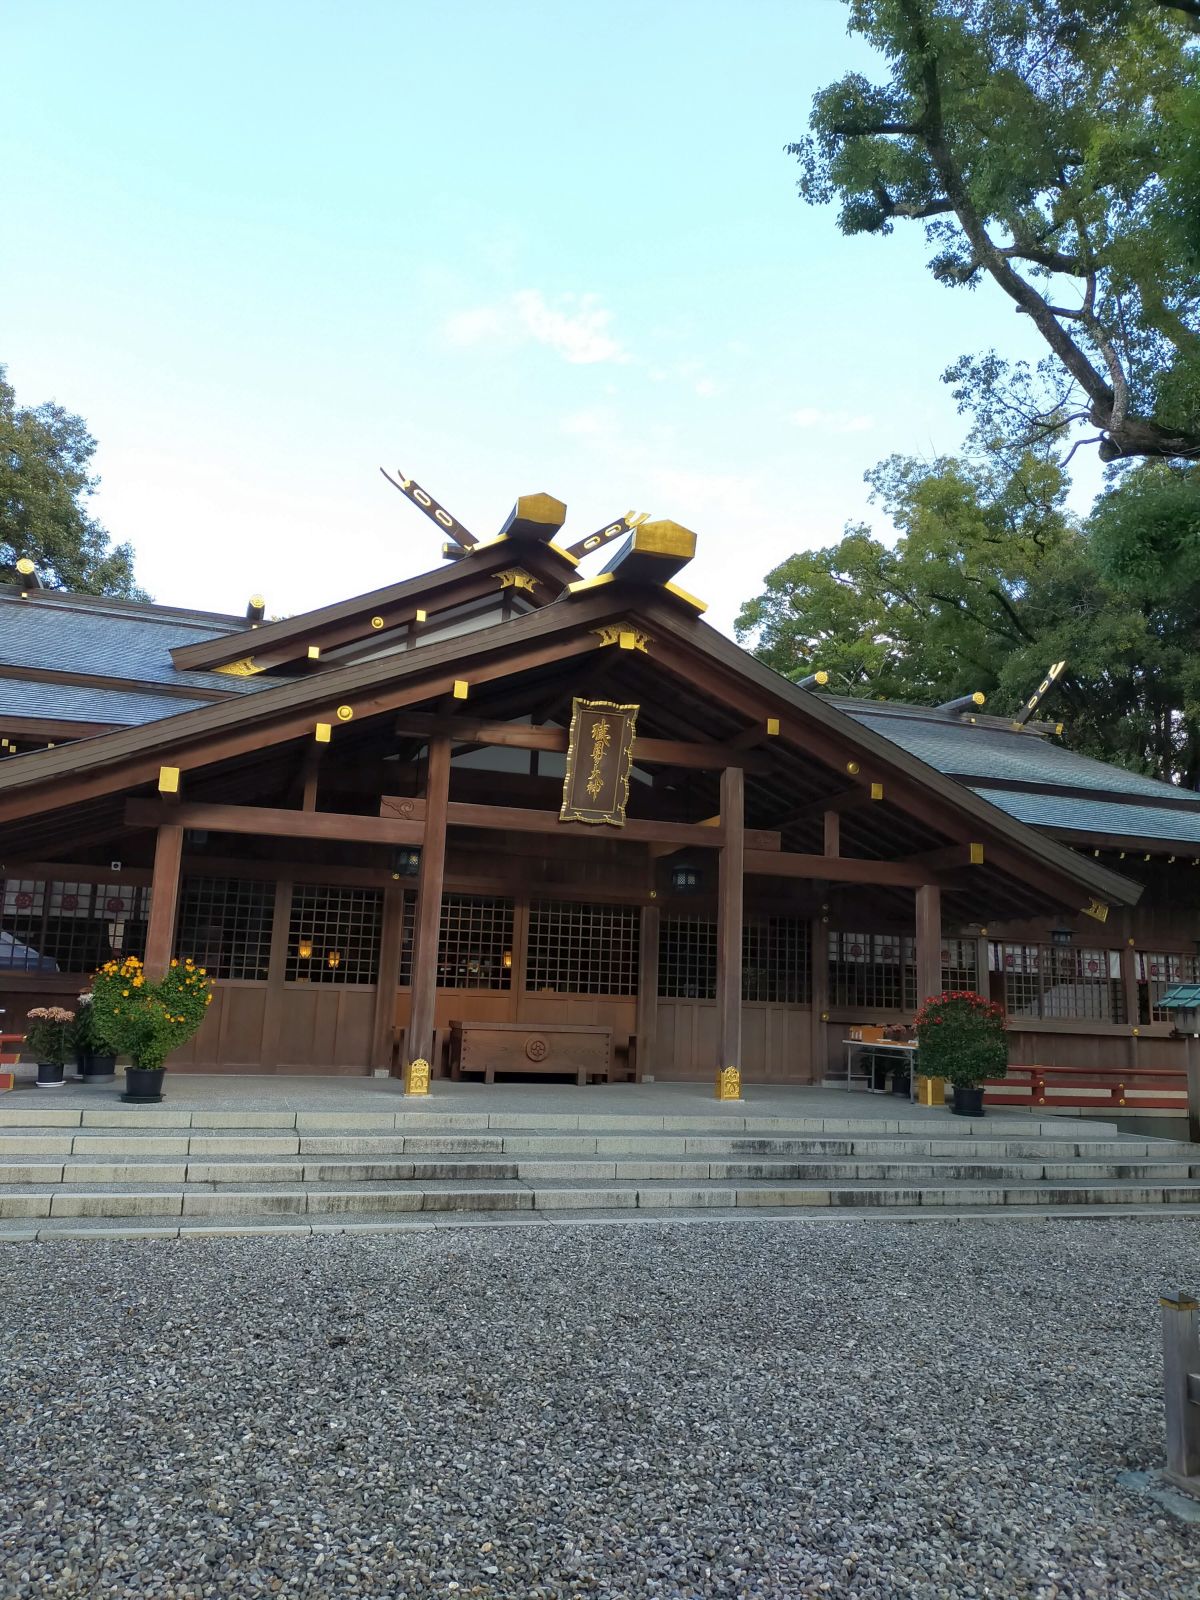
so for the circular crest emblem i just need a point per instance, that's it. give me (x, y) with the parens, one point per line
(536, 1048)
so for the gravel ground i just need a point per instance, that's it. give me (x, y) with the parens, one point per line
(864, 1409)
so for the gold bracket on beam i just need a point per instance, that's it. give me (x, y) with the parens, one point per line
(461, 688)
(244, 668)
(624, 635)
(323, 732)
(1097, 909)
(168, 780)
(516, 578)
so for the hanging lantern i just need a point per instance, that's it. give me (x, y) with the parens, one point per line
(334, 958)
(304, 951)
(406, 861)
(1061, 936)
(685, 877)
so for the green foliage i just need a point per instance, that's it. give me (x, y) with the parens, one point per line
(960, 1037)
(146, 1021)
(45, 483)
(992, 579)
(1054, 148)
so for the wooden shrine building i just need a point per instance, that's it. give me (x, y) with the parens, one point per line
(505, 794)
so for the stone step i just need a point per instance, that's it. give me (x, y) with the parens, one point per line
(144, 1144)
(511, 1195)
(432, 1118)
(79, 1169)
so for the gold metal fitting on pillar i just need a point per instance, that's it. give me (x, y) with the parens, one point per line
(416, 1076)
(729, 1084)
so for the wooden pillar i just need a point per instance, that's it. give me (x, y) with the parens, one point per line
(929, 942)
(164, 899)
(391, 950)
(1129, 983)
(281, 923)
(818, 992)
(647, 995)
(729, 920)
(833, 833)
(419, 1039)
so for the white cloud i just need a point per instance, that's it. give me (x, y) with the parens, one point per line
(832, 421)
(707, 387)
(575, 326)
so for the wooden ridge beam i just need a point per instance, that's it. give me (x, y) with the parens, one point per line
(950, 855)
(276, 822)
(523, 736)
(838, 869)
(853, 799)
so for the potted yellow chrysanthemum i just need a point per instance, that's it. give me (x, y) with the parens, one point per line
(146, 1021)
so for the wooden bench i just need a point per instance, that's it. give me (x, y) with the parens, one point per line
(575, 1049)
(622, 1066)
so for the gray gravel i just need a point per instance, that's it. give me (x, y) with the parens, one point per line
(861, 1408)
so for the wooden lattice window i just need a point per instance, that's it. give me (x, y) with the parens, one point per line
(872, 971)
(225, 924)
(582, 949)
(960, 964)
(687, 958)
(1061, 982)
(51, 926)
(775, 959)
(333, 936)
(475, 944)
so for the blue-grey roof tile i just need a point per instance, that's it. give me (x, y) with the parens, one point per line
(1104, 818)
(69, 702)
(108, 641)
(971, 751)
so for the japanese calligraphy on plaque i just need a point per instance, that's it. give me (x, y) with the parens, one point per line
(599, 756)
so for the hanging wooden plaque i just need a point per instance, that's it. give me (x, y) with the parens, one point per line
(599, 756)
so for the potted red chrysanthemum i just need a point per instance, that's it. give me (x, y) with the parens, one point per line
(960, 1037)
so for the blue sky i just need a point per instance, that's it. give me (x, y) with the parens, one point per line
(266, 248)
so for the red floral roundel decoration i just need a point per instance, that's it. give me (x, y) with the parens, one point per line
(70, 902)
(114, 903)
(24, 900)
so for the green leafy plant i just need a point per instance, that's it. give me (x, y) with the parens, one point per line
(146, 1021)
(961, 1038)
(83, 1033)
(49, 1038)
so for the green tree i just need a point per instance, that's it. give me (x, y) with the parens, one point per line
(1053, 148)
(992, 579)
(45, 483)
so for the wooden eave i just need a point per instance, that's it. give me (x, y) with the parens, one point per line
(349, 621)
(926, 810)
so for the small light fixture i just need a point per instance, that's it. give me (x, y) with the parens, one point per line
(304, 950)
(1061, 936)
(406, 861)
(508, 961)
(334, 958)
(685, 877)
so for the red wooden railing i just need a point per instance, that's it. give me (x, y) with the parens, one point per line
(1101, 1088)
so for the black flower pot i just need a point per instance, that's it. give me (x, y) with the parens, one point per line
(50, 1075)
(143, 1085)
(968, 1102)
(98, 1069)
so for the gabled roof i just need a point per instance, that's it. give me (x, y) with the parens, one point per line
(814, 741)
(395, 606)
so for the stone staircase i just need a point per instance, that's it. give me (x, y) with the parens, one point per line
(161, 1171)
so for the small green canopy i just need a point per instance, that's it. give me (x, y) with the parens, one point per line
(1183, 994)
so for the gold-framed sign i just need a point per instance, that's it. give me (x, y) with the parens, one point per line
(599, 756)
